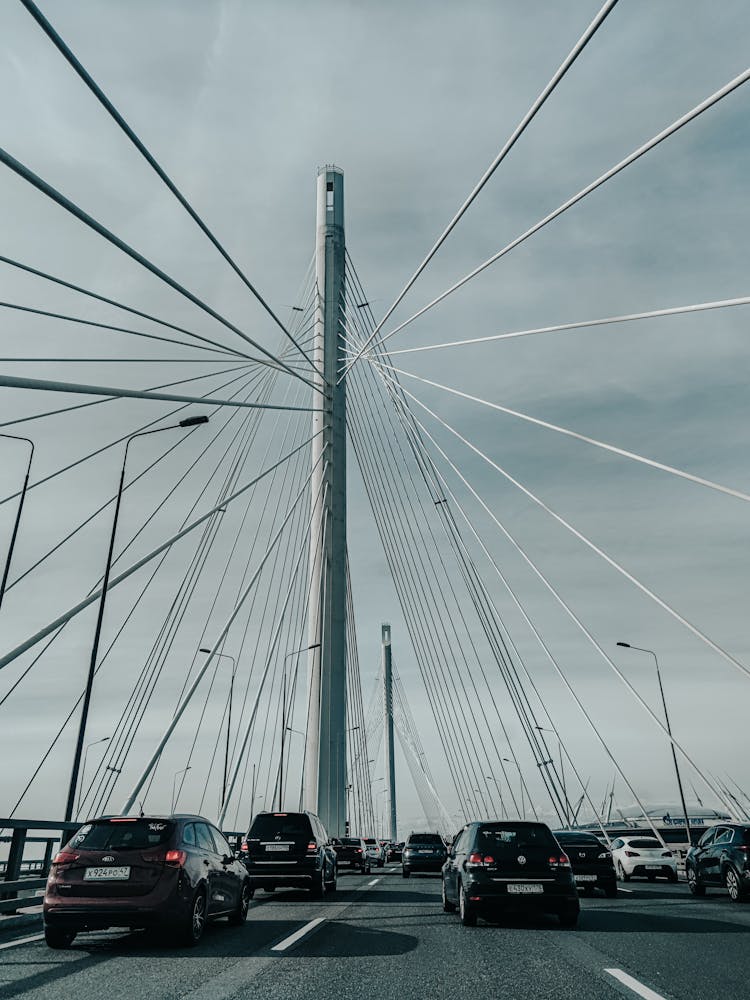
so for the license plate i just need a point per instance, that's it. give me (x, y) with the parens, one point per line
(277, 847)
(524, 888)
(585, 878)
(106, 874)
(653, 868)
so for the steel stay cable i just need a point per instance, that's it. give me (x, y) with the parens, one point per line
(506, 148)
(115, 560)
(468, 631)
(568, 610)
(421, 639)
(168, 632)
(379, 410)
(382, 449)
(124, 437)
(133, 333)
(96, 90)
(724, 91)
(600, 552)
(111, 500)
(41, 185)
(251, 719)
(114, 581)
(561, 327)
(199, 675)
(118, 305)
(579, 437)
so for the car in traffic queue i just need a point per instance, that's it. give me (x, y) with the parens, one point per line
(721, 858)
(591, 862)
(291, 850)
(503, 866)
(375, 852)
(172, 873)
(351, 852)
(395, 852)
(643, 857)
(423, 852)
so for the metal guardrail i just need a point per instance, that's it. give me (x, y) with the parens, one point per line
(12, 882)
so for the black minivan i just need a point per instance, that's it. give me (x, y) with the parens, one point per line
(289, 849)
(499, 866)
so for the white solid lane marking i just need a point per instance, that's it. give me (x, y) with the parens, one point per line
(374, 882)
(19, 941)
(294, 938)
(634, 985)
(626, 890)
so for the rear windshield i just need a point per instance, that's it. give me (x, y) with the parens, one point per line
(572, 837)
(294, 826)
(370, 840)
(644, 843)
(350, 842)
(497, 837)
(426, 838)
(123, 835)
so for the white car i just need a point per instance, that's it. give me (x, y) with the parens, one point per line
(643, 857)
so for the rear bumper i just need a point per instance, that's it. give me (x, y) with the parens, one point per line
(594, 877)
(493, 894)
(664, 871)
(423, 864)
(291, 874)
(82, 914)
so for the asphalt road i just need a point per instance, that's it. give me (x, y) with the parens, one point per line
(391, 941)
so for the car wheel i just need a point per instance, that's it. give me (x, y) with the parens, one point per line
(193, 928)
(672, 877)
(734, 886)
(238, 918)
(368, 870)
(318, 889)
(448, 907)
(57, 938)
(696, 888)
(380, 863)
(610, 891)
(621, 873)
(405, 872)
(467, 911)
(569, 916)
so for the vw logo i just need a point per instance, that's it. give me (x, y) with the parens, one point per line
(521, 859)
(108, 859)
(581, 854)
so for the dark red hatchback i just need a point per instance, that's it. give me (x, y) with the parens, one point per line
(172, 873)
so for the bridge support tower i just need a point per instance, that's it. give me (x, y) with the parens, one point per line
(325, 775)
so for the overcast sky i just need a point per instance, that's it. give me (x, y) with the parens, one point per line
(241, 102)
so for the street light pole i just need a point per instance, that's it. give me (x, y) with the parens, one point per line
(568, 808)
(226, 656)
(104, 739)
(284, 727)
(627, 645)
(188, 422)
(24, 489)
(174, 783)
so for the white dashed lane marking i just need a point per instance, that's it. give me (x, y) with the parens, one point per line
(634, 985)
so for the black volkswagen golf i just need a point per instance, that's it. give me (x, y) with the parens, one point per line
(500, 866)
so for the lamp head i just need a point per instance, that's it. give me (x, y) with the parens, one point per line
(194, 421)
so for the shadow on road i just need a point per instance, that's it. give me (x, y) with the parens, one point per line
(345, 941)
(624, 921)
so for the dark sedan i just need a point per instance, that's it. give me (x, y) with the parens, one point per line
(499, 866)
(590, 860)
(351, 852)
(168, 872)
(423, 852)
(721, 858)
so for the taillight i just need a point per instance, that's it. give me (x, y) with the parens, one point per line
(632, 854)
(357, 850)
(312, 847)
(243, 847)
(563, 861)
(176, 858)
(666, 854)
(65, 858)
(477, 860)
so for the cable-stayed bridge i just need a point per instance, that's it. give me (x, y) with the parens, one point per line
(179, 596)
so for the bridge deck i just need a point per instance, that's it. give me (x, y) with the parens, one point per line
(391, 940)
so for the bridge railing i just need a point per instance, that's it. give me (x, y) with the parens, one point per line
(20, 874)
